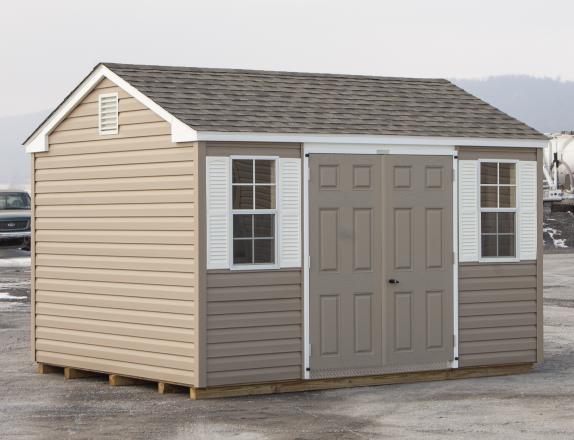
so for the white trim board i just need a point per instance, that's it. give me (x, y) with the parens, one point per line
(425, 141)
(455, 305)
(336, 148)
(38, 142)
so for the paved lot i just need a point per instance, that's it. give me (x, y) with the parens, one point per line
(533, 406)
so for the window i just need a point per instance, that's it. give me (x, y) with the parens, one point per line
(108, 112)
(19, 200)
(254, 211)
(498, 209)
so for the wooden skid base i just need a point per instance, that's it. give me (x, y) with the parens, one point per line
(117, 380)
(74, 373)
(48, 369)
(359, 381)
(295, 386)
(168, 388)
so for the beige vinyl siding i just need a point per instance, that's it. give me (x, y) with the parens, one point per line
(497, 313)
(254, 326)
(115, 262)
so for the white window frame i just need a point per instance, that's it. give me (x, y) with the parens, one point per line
(232, 212)
(515, 210)
(100, 98)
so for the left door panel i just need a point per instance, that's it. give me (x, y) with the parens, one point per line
(345, 274)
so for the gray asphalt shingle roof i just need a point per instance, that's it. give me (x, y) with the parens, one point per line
(229, 100)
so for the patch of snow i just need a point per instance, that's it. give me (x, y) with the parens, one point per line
(6, 296)
(15, 262)
(14, 285)
(558, 242)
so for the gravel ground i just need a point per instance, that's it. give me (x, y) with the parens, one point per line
(531, 406)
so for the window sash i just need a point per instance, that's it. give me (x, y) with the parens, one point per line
(255, 211)
(498, 209)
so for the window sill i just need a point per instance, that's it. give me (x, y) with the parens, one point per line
(254, 267)
(499, 260)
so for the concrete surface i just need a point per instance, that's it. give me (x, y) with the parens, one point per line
(532, 406)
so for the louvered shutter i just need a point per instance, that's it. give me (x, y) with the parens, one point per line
(527, 213)
(217, 203)
(108, 113)
(468, 211)
(289, 212)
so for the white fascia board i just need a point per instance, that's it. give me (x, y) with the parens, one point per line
(180, 132)
(382, 141)
(377, 148)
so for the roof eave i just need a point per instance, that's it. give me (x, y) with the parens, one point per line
(431, 141)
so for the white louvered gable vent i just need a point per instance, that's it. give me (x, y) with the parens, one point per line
(290, 213)
(108, 113)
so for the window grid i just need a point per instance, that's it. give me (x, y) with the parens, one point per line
(255, 211)
(512, 209)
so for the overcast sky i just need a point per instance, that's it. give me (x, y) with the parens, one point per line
(48, 46)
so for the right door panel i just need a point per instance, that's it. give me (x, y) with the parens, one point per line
(418, 262)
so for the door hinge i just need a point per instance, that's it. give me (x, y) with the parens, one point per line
(454, 175)
(309, 350)
(309, 262)
(454, 344)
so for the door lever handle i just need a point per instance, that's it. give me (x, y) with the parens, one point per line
(393, 281)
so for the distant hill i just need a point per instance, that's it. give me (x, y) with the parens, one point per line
(543, 103)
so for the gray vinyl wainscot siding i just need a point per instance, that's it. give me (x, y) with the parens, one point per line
(497, 313)
(254, 326)
(115, 258)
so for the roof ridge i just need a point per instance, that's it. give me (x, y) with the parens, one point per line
(273, 72)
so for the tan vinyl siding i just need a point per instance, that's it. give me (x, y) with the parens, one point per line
(115, 263)
(497, 313)
(254, 326)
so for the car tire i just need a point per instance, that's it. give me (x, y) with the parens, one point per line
(26, 245)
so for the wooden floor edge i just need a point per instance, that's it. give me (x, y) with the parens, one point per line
(293, 386)
(358, 381)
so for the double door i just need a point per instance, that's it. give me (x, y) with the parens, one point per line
(380, 278)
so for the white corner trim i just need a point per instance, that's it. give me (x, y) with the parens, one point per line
(382, 141)
(180, 132)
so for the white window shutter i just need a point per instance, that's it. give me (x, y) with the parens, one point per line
(468, 214)
(217, 201)
(527, 184)
(289, 212)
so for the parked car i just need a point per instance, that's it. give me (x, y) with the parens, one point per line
(15, 220)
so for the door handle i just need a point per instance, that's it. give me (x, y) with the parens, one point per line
(393, 281)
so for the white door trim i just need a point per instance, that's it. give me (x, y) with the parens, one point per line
(314, 148)
(454, 363)
(306, 262)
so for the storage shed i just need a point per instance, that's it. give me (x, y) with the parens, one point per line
(219, 228)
